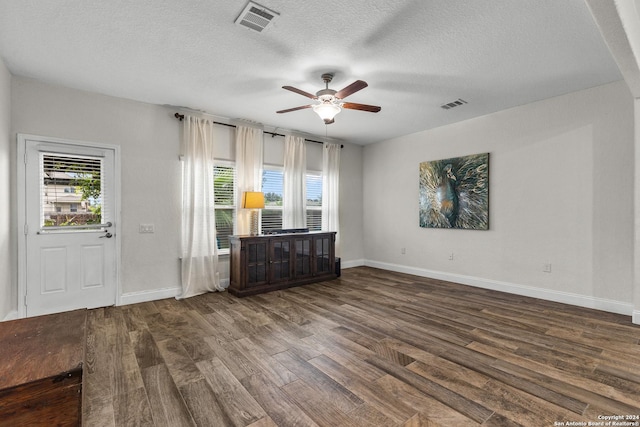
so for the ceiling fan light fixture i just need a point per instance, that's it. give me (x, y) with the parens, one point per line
(326, 111)
(331, 101)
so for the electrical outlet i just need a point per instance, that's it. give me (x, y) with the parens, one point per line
(146, 229)
(546, 268)
(403, 251)
(451, 257)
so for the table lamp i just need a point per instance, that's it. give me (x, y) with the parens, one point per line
(253, 200)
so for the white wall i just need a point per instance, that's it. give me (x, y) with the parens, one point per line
(636, 271)
(7, 270)
(561, 192)
(351, 206)
(149, 139)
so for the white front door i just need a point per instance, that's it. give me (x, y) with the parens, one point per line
(70, 258)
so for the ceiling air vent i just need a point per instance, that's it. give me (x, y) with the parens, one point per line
(449, 105)
(256, 17)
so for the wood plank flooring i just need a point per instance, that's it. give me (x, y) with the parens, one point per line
(373, 348)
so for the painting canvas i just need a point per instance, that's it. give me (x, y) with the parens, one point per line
(454, 193)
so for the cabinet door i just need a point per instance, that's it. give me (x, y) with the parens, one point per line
(324, 260)
(303, 255)
(280, 260)
(257, 273)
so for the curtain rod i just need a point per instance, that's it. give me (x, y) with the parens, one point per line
(181, 118)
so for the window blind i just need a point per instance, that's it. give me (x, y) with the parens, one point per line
(224, 182)
(272, 187)
(71, 191)
(314, 201)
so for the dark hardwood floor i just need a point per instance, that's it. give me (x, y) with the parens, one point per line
(373, 348)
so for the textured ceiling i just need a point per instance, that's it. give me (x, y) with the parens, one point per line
(414, 54)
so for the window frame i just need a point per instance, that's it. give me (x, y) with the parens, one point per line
(280, 169)
(233, 207)
(316, 174)
(273, 168)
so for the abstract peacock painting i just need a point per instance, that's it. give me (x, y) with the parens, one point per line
(454, 193)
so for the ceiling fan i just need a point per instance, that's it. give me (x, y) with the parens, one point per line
(330, 101)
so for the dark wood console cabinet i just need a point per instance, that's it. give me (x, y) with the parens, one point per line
(266, 263)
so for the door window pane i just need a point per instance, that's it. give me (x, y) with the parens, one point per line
(70, 190)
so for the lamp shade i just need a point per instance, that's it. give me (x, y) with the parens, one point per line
(253, 200)
(327, 111)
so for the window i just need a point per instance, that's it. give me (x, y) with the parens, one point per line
(224, 186)
(272, 187)
(314, 201)
(224, 182)
(68, 183)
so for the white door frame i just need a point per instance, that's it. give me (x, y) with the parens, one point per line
(22, 214)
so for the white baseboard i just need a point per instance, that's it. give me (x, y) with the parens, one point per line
(150, 295)
(351, 263)
(512, 288)
(12, 315)
(155, 294)
(529, 291)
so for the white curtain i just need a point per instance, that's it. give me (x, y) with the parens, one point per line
(294, 203)
(199, 248)
(331, 190)
(249, 156)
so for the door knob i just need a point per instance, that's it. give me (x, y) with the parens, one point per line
(108, 235)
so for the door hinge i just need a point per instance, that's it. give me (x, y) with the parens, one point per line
(25, 300)
(25, 157)
(26, 229)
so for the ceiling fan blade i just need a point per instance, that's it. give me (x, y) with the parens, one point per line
(351, 89)
(294, 109)
(361, 107)
(299, 91)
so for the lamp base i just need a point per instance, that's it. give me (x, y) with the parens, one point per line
(254, 222)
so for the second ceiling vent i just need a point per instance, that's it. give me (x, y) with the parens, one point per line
(256, 17)
(449, 105)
